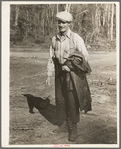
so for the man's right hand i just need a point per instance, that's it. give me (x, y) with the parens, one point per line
(48, 81)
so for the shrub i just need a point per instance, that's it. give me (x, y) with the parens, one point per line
(40, 40)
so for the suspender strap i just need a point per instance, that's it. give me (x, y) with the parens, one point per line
(71, 41)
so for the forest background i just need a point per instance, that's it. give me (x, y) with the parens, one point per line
(32, 25)
(31, 30)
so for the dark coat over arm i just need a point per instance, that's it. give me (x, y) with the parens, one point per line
(79, 67)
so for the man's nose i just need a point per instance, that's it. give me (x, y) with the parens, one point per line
(61, 24)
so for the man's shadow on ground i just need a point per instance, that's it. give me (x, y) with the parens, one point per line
(44, 107)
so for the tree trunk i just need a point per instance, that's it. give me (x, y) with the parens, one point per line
(112, 22)
(43, 24)
(105, 13)
(57, 8)
(109, 21)
(17, 14)
(67, 7)
(27, 25)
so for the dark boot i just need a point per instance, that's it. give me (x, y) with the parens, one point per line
(62, 128)
(69, 123)
(73, 132)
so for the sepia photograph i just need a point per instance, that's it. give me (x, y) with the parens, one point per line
(60, 74)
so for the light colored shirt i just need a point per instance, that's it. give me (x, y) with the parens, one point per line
(63, 46)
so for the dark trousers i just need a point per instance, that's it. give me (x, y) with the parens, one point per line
(67, 105)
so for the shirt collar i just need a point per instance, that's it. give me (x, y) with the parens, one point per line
(68, 34)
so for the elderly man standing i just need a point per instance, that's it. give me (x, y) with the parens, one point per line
(68, 56)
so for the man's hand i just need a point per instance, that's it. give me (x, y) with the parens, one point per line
(48, 81)
(65, 68)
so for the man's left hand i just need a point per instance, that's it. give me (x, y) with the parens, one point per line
(65, 68)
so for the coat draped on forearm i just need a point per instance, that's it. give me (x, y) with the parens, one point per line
(79, 68)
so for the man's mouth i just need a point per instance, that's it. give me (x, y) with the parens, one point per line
(61, 27)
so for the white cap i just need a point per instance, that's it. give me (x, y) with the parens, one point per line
(64, 16)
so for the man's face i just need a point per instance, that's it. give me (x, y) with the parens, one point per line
(63, 26)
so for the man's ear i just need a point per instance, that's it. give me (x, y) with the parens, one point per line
(71, 25)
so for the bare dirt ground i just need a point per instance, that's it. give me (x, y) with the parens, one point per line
(28, 75)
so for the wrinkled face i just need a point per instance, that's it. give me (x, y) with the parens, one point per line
(63, 26)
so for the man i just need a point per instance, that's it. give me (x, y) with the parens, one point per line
(70, 83)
